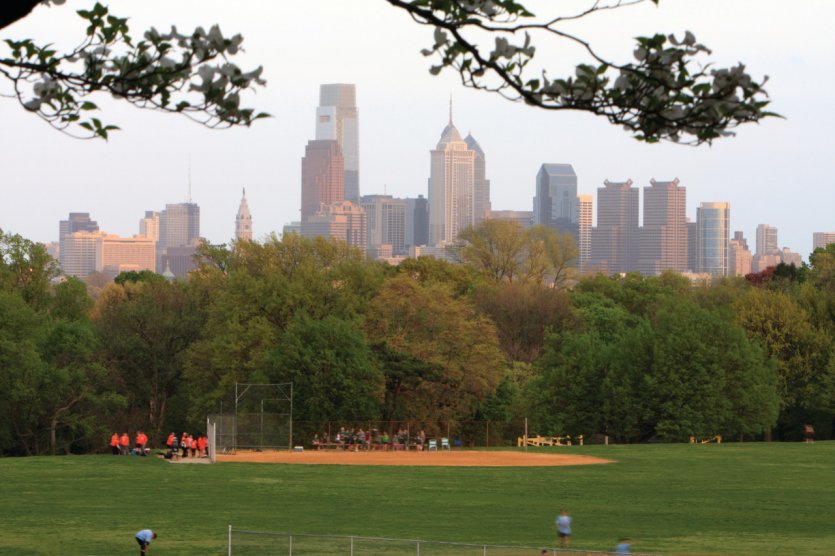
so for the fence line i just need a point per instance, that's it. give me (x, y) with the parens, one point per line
(353, 545)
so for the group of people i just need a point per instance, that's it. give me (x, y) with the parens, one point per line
(372, 439)
(186, 445)
(120, 444)
(563, 523)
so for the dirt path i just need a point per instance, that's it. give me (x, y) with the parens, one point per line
(438, 459)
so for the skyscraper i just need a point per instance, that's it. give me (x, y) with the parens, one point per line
(584, 221)
(179, 225)
(555, 204)
(78, 252)
(149, 226)
(77, 222)
(481, 185)
(767, 240)
(386, 220)
(323, 176)
(615, 240)
(451, 187)
(337, 120)
(713, 225)
(417, 221)
(243, 220)
(663, 238)
(739, 256)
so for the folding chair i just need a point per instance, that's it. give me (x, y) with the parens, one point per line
(445, 444)
(433, 445)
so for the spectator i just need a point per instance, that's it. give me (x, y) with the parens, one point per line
(114, 443)
(144, 538)
(624, 546)
(124, 443)
(563, 522)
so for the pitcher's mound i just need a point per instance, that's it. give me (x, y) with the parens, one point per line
(465, 458)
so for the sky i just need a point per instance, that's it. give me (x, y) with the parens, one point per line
(777, 172)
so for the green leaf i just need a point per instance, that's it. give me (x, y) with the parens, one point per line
(87, 105)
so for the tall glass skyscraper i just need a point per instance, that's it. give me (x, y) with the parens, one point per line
(713, 225)
(337, 120)
(555, 204)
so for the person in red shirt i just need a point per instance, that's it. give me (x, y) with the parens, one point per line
(202, 442)
(124, 443)
(193, 445)
(114, 443)
(170, 440)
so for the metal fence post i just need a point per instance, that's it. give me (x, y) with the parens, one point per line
(352, 546)
(229, 542)
(485, 550)
(418, 548)
(291, 545)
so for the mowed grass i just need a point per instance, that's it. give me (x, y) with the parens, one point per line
(742, 499)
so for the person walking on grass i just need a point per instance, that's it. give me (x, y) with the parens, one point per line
(144, 538)
(563, 523)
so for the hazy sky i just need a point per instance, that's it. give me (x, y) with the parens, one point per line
(777, 173)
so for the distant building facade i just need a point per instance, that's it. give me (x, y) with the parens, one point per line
(343, 220)
(337, 119)
(615, 239)
(417, 221)
(481, 185)
(713, 225)
(386, 220)
(767, 240)
(584, 226)
(323, 176)
(76, 222)
(522, 217)
(116, 254)
(663, 237)
(821, 239)
(555, 202)
(740, 257)
(451, 187)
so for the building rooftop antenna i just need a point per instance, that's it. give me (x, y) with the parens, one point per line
(189, 178)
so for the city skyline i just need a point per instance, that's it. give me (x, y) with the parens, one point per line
(770, 173)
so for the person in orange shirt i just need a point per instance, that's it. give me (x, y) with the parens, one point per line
(124, 443)
(193, 445)
(202, 442)
(170, 440)
(114, 443)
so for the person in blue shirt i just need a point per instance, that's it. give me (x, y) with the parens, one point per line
(624, 546)
(144, 538)
(563, 523)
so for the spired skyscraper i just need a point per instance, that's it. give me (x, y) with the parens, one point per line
(451, 187)
(337, 120)
(481, 185)
(243, 220)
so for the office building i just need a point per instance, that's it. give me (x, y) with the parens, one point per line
(149, 225)
(767, 240)
(481, 185)
(615, 239)
(789, 257)
(740, 258)
(417, 221)
(713, 229)
(555, 203)
(79, 251)
(116, 254)
(243, 221)
(77, 222)
(337, 120)
(343, 220)
(663, 237)
(584, 227)
(821, 239)
(386, 221)
(451, 187)
(323, 176)
(179, 225)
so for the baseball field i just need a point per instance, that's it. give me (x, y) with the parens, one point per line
(741, 499)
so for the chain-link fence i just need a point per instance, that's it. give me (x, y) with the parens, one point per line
(243, 543)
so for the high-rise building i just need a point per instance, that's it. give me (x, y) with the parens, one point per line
(78, 252)
(481, 185)
(713, 225)
(179, 225)
(584, 227)
(739, 256)
(821, 239)
(451, 187)
(615, 239)
(243, 220)
(522, 217)
(693, 246)
(767, 240)
(555, 203)
(789, 257)
(323, 176)
(77, 222)
(149, 225)
(343, 220)
(115, 254)
(663, 237)
(386, 220)
(417, 221)
(337, 120)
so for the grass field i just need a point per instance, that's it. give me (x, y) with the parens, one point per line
(742, 499)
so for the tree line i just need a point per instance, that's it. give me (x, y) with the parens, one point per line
(510, 332)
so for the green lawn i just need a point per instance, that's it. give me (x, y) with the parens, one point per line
(742, 499)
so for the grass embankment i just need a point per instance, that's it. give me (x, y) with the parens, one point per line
(742, 499)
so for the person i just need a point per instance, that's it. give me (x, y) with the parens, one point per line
(808, 433)
(202, 442)
(124, 443)
(624, 546)
(563, 522)
(144, 538)
(114, 443)
(184, 444)
(543, 553)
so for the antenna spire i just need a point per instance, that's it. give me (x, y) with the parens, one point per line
(189, 178)
(450, 109)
